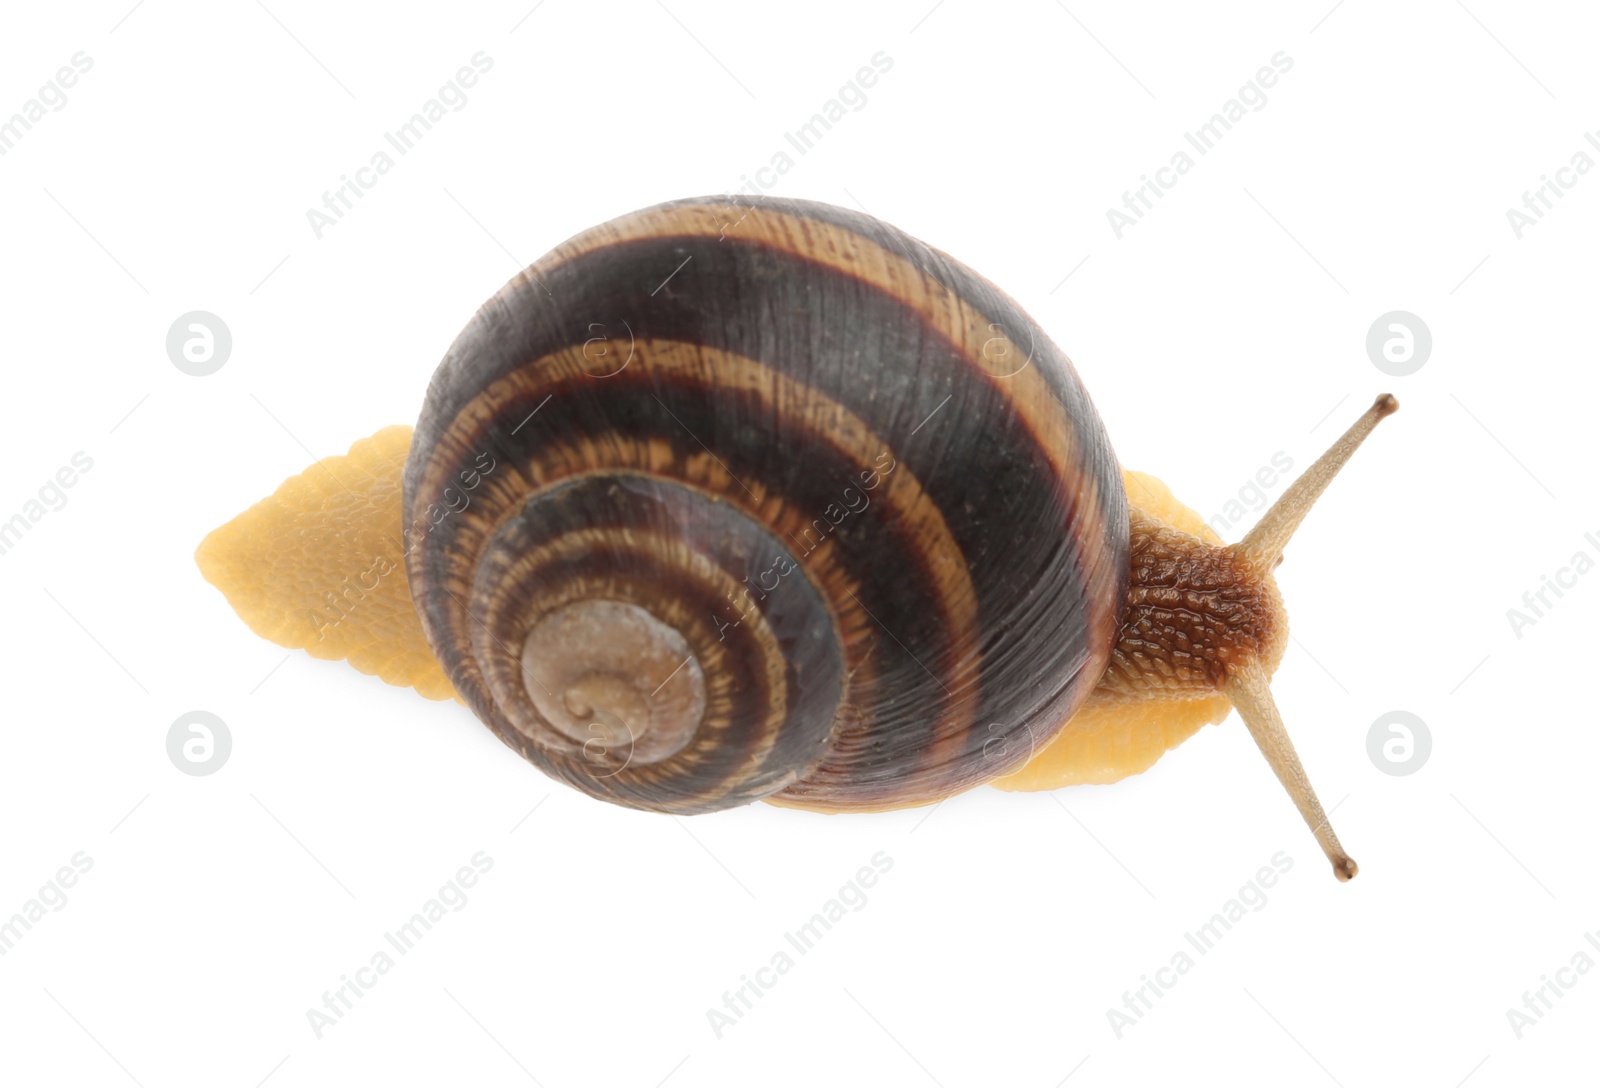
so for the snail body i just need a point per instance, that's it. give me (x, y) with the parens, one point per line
(728, 500)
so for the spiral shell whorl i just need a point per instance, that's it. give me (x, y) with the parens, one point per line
(894, 553)
(618, 591)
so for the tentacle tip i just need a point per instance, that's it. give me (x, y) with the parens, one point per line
(1345, 869)
(1386, 405)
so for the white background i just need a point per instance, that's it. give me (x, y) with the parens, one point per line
(1225, 327)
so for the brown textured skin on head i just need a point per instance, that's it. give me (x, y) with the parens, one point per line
(1193, 611)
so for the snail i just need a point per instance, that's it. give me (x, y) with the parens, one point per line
(748, 498)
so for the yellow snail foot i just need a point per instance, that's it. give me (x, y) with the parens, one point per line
(319, 566)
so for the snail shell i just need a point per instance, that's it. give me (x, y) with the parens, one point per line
(760, 498)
